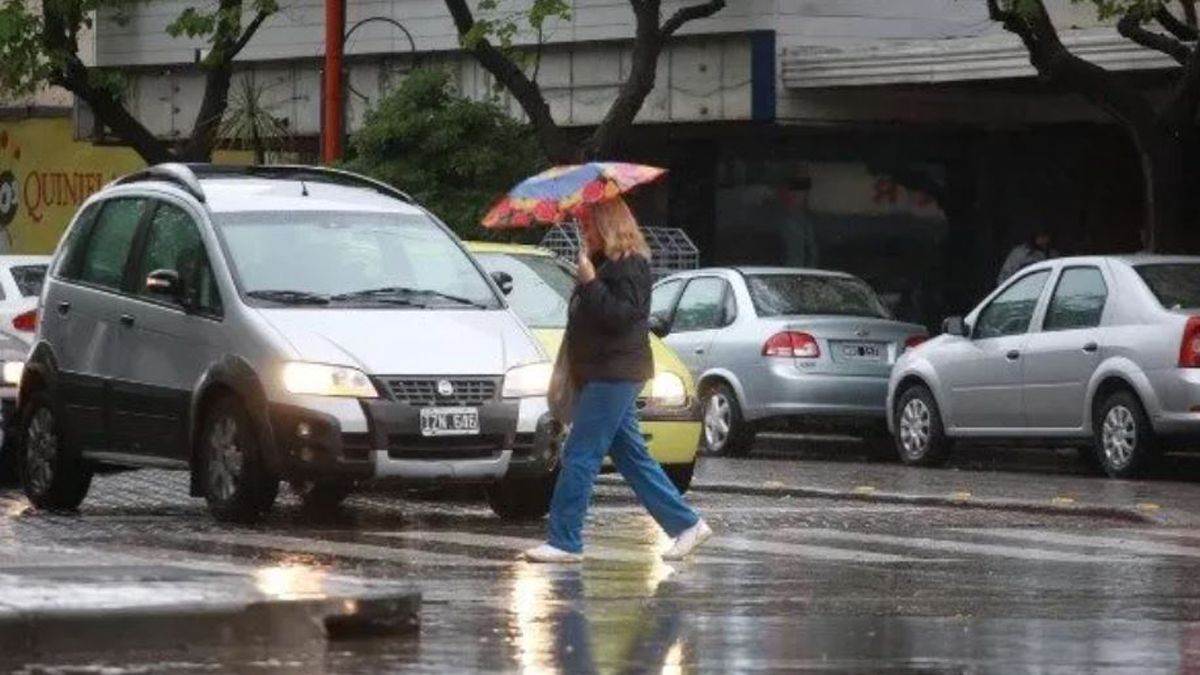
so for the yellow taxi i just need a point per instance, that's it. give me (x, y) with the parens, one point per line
(541, 287)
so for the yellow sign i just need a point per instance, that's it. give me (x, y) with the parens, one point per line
(45, 175)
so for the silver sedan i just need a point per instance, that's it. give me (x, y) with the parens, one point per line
(776, 347)
(1101, 352)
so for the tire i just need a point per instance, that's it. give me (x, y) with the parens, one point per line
(522, 499)
(920, 437)
(54, 476)
(1125, 444)
(726, 432)
(235, 481)
(680, 475)
(318, 497)
(10, 474)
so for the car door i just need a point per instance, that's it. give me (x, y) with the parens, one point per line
(83, 329)
(698, 316)
(1059, 360)
(171, 338)
(983, 374)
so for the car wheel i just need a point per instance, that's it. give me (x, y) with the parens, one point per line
(920, 437)
(53, 475)
(522, 498)
(237, 485)
(725, 431)
(1124, 439)
(319, 497)
(9, 473)
(680, 475)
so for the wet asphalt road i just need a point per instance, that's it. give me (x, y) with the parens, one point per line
(787, 585)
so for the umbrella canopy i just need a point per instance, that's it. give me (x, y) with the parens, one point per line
(563, 192)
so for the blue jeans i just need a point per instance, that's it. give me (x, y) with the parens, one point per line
(606, 423)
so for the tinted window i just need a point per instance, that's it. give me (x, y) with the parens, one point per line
(1078, 300)
(663, 299)
(1010, 312)
(542, 287)
(701, 307)
(69, 254)
(108, 246)
(173, 243)
(29, 279)
(1176, 285)
(794, 294)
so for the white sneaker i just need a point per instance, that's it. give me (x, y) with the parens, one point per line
(688, 540)
(549, 554)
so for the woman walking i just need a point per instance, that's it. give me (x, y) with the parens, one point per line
(609, 354)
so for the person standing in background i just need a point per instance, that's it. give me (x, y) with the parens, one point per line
(1038, 248)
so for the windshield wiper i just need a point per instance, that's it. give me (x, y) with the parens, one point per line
(390, 293)
(285, 297)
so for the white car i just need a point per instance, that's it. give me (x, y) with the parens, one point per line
(21, 278)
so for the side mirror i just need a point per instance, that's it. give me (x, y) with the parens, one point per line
(165, 284)
(504, 280)
(659, 327)
(956, 326)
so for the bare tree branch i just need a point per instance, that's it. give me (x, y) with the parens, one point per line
(248, 33)
(1189, 12)
(1178, 28)
(691, 13)
(1130, 27)
(1180, 112)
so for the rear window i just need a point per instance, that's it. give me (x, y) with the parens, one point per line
(796, 294)
(1176, 285)
(29, 279)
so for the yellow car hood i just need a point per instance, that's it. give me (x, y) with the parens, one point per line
(665, 360)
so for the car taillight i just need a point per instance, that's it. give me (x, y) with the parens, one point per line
(914, 341)
(793, 345)
(26, 322)
(1189, 349)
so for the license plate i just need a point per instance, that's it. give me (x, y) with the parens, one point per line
(862, 351)
(449, 422)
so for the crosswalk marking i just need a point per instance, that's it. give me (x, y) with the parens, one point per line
(946, 545)
(1065, 539)
(803, 551)
(341, 548)
(521, 543)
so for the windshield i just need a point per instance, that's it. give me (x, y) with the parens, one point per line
(29, 279)
(320, 258)
(1176, 285)
(542, 287)
(795, 294)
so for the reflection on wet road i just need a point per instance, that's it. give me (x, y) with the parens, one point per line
(786, 585)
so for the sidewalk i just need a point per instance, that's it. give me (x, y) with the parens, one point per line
(55, 599)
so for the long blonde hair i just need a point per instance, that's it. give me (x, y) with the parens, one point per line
(618, 229)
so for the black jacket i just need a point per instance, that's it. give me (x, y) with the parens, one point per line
(608, 336)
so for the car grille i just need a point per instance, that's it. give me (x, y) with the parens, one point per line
(445, 447)
(468, 391)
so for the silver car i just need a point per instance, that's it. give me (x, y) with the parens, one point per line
(773, 347)
(253, 325)
(1098, 352)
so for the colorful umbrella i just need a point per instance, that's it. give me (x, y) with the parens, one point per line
(563, 192)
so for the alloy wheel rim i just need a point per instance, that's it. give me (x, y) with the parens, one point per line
(1119, 436)
(41, 449)
(718, 419)
(225, 458)
(916, 425)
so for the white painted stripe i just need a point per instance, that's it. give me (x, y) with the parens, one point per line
(494, 541)
(1064, 539)
(803, 551)
(948, 546)
(343, 549)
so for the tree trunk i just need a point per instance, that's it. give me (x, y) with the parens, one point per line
(1162, 186)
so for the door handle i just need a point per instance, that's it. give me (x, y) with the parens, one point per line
(699, 350)
(126, 320)
(64, 308)
(1091, 347)
(1013, 355)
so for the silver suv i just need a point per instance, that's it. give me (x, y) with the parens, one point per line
(1099, 351)
(262, 324)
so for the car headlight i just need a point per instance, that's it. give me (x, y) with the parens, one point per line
(13, 370)
(668, 390)
(529, 380)
(321, 380)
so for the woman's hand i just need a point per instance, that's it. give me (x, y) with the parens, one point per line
(585, 271)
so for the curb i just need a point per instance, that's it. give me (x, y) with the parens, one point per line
(1126, 514)
(182, 627)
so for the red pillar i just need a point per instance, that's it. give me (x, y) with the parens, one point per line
(332, 126)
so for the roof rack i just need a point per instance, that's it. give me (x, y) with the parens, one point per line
(179, 174)
(311, 174)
